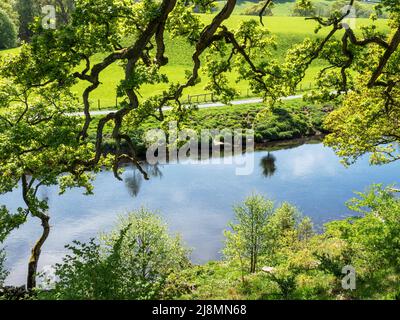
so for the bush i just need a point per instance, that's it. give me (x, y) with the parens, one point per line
(132, 262)
(372, 237)
(8, 33)
(303, 8)
(284, 122)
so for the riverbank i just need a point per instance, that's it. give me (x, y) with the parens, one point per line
(290, 122)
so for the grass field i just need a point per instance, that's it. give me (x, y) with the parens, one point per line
(287, 30)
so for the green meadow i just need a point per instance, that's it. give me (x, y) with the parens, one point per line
(287, 31)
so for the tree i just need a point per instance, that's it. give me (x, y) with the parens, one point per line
(8, 34)
(360, 10)
(247, 240)
(42, 143)
(26, 13)
(303, 8)
(373, 237)
(268, 165)
(41, 140)
(37, 146)
(360, 77)
(278, 237)
(132, 262)
(363, 69)
(8, 6)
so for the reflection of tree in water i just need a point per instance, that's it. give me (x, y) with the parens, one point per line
(268, 165)
(134, 180)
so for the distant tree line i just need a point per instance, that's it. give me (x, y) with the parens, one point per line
(308, 8)
(17, 16)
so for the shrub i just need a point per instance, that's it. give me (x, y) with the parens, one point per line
(132, 262)
(8, 33)
(373, 237)
(303, 8)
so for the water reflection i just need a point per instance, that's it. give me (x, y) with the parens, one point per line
(133, 180)
(195, 200)
(268, 165)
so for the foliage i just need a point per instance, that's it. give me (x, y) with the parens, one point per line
(8, 34)
(132, 262)
(254, 10)
(360, 10)
(8, 6)
(303, 265)
(358, 70)
(264, 235)
(373, 238)
(361, 77)
(304, 8)
(247, 240)
(43, 143)
(26, 14)
(8, 222)
(361, 125)
(290, 119)
(38, 142)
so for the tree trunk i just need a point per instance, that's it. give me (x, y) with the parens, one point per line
(35, 254)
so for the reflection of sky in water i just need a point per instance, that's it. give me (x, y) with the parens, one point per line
(196, 200)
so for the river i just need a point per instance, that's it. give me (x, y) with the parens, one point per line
(196, 200)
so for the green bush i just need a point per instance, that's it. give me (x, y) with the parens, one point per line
(132, 262)
(284, 122)
(303, 8)
(372, 241)
(8, 33)
(299, 264)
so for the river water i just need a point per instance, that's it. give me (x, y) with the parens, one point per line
(196, 199)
